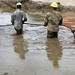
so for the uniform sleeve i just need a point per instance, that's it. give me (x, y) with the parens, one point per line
(12, 18)
(60, 22)
(46, 21)
(24, 17)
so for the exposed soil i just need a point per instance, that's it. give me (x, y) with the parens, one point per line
(34, 6)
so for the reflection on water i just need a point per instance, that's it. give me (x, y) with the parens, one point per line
(20, 46)
(40, 53)
(54, 51)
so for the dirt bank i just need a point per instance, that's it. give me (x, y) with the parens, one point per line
(34, 6)
(63, 2)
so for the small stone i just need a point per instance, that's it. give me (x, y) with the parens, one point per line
(5, 73)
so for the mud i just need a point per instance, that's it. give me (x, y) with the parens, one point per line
(32, 53)
(32, 6)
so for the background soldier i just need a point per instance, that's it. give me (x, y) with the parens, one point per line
(18, 18)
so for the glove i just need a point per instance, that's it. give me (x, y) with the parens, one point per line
(22, 22)
(45, 24)
(12, 23)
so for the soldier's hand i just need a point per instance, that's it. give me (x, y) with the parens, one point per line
(12, 23)
(45, 24)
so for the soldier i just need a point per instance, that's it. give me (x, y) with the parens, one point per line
(18, 18)
(52, 21)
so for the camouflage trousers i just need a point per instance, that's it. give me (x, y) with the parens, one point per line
(52, 34)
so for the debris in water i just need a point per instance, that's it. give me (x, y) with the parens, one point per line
(6, 73)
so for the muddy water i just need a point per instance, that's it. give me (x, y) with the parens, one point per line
(32, 53)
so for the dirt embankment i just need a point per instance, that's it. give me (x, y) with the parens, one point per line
(34, 6)
(63, 2)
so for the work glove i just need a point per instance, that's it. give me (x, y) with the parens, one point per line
(22, 22)
(45, 24)
(12, 23)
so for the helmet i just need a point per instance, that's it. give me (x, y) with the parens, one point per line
(54, 4)
(18, 4)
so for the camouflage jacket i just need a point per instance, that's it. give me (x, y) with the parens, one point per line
(52, 21)
(18, 18)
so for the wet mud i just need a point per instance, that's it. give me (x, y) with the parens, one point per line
(32, 53)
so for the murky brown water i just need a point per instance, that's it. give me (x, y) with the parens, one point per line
(32, 53)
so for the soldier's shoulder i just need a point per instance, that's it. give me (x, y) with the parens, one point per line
(49, 13)
(22, 11)
(58, 12)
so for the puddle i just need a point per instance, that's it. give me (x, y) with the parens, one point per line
(32, 53)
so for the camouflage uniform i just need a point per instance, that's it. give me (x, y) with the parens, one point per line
(17, 19)
(52, 21)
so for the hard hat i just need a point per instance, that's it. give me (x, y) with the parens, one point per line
(54, 4)
(18, 4)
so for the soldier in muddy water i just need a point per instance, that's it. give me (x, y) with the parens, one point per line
(18, 18)
(52, 20)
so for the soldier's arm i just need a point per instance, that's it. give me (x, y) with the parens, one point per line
(24, 16)
(61, 20)
(12, 19)
(46, 21)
